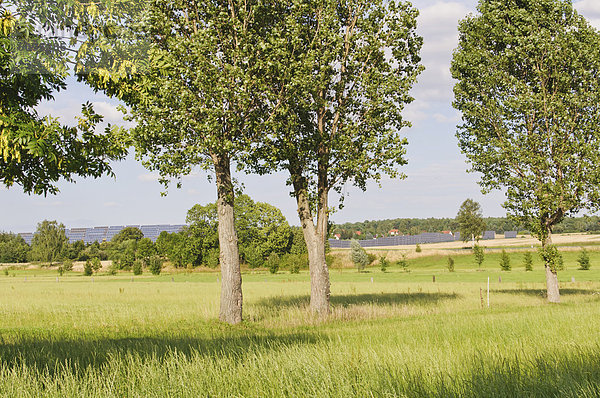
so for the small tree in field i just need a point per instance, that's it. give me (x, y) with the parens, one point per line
(584, 260)
(383, 263)
(155, 265)
(87, 268)
(528, 261)
(470, 221)
(479, 254)
(505, 261)
(529, 93)
(418, 248)
(96, 264)
(358, 255)
(137, 267)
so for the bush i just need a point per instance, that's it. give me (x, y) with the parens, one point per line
(584, 260)
(87, 268)
(211, 258)
(294, 262)
(273, 263)
(403, 263)
(528, 261)
(450, 264)
(358, 255)
(254, 257)
(371, 258)
(505, 261)
(418, 249)
(6, 271)
(383, 263)
(114, 266)
(155, 264)
(137, 267)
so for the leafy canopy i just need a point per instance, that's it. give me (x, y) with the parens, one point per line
(529, 93)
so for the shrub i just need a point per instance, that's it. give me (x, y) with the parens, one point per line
(254, 257)
(504, 261)
(528, 261)
(6, 271)
(155, 264)
(418, 249)
(403, 263)
(114, 266)
(584, 260)
(479, 254)
(273, 263)
(211, 258)
(383, 263)
(371, 258)
(96, 264)
(137, 267)
(67, 265)
(358, 255)
(450, 264)
(87, 268)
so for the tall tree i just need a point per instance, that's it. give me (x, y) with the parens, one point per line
(49, 242)
(198, 101)
(36, 151)
(470, 221)
(529, 92)
(342, 79)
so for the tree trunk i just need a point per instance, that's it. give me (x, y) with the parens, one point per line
(552, 290)
(315, 244)
(231, 276)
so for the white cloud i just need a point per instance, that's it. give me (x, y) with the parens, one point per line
(109, 111)
(148, 177)
(590, 9)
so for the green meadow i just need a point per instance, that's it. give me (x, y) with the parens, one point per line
(392, 334)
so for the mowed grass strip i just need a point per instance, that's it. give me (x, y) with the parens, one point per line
(399, 334)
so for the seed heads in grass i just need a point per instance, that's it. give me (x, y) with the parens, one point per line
(87, 268)
(584, 260)
(450, 264)
(155, 264)
(505, 261)
(137, 267)
(528, 261)
(479, 254)
(383, 263)
(418, 248)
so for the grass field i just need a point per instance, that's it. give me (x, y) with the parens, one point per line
(390, 334)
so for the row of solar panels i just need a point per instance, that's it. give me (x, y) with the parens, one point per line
(105, 234)
(428, 237)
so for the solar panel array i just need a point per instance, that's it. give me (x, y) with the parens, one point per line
(427, 237)
(105, 234)
(489, 235)
(457, 236)
(510, 234)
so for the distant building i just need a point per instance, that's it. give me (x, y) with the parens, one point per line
(359, 233)
(394, 232)
(338, 236)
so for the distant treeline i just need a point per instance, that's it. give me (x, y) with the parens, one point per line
(414, 226)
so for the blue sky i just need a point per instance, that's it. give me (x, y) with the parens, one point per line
(437, 180)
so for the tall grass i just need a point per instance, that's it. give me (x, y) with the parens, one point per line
(398, 335)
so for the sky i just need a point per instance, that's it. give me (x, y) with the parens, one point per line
(437, 180)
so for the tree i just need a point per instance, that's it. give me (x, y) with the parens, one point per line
(342, 77)
(529, 94)
(199, 101)
(49, 242)
(504, 261)
(36, 152)
(470, 221)
(528, 261)
(145, 250)
(450, 264)
(584, 260)
(13, 248)
(479, 253)
(128, 233)
(358, 255)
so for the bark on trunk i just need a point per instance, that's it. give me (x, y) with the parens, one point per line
(231, 276)
(552, 291)
(315, 244)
